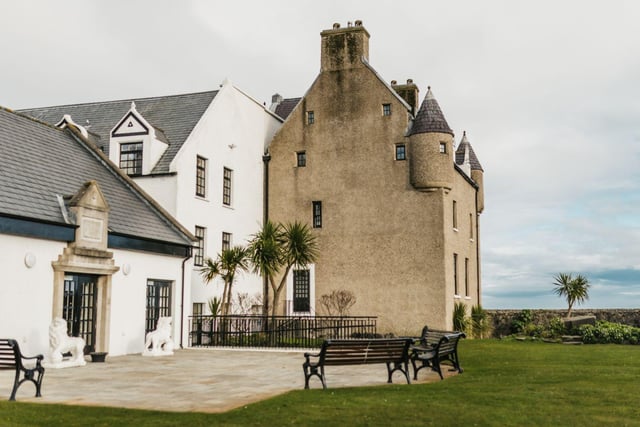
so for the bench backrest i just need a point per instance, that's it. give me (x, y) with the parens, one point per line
(357, 352)
(449, 343)
(9, 354)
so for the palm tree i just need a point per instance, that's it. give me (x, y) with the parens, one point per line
(574, 290)
(226, 265)
(265, 253)
(279, 248)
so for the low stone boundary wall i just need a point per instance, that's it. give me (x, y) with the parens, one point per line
(502, 319)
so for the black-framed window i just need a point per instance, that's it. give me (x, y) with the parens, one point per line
(466, 277)
(198, 308)
(226, 186)
(158, 302)
(198, 253)
(443, 147)
(455, 274)
(471, 226)
(201, 176)
(301, 159)
(131, 158)
(226, 240)
(311, 117)
(317, 214)
(301, 291)
(386, 109)
(401, 152)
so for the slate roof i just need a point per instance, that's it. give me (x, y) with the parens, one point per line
(286, 107)
(429, 118)
(473, 159)
(174, 116)
(38, 162)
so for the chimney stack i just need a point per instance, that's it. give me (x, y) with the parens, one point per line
(408, 92)
(343, 48)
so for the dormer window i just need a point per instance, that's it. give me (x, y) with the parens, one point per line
(131, 158)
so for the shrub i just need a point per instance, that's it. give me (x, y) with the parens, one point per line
(609, 333)
(521, 322)
(460, 319)
(479, 321)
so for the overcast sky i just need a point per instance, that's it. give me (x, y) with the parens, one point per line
(548, 92)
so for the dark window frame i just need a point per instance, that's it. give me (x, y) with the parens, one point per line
(466, 277)
(455, 215)
(158, 302)
(443, 148)
(226, 240)
(201, 176)
(227, 186)
(301, 159)
(311, 117)
(301, 291)
(317, 214)
(401, 152)
(131, 158)
(455, 275)
(198, 252)
(386, 110)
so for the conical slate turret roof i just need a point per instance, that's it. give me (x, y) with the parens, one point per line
(430, 117)
(460, 153)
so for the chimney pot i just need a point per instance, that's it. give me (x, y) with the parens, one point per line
(394, 82)
(409, 81)
(358, 23)
(336, 25)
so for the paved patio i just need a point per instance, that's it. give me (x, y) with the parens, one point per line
(192, 380)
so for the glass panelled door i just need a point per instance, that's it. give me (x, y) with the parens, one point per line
(158, 302)
(79, 307)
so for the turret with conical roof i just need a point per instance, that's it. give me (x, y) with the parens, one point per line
(431, 147)
(468, 161)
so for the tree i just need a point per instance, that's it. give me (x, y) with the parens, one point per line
(226, 265)
(277, 249)
(575, 290)
(338, 302)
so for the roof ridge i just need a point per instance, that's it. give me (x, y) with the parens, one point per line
(114, 101)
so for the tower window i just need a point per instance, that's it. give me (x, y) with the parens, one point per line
(401, 152)
(301, 159)
(311, 119)
(443, 147)
(386, 109)
(317, 214)
(131, 158)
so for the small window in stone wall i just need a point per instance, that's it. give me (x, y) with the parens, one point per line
(443, 147)
(401, 152)
(301, 159)
(386, 109)
(311, 118)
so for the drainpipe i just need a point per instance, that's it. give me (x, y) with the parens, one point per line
(265, 217)
(182, 298)
(478, 248)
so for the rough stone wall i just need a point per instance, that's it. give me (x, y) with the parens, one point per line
(502, 319)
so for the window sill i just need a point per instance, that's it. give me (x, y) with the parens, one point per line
(201, 198)
(457, 297)
(455, 229)
(467, 298)
(227, 206)
(472, 240)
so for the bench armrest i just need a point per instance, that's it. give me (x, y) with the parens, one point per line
(307, 356)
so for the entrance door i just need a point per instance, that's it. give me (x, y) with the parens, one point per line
(79, 307)
(158, 302)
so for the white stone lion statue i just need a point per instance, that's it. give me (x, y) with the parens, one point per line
(60, 343)
(159, 342)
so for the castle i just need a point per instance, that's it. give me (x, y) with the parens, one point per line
(394, 207)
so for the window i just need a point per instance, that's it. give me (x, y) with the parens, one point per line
(226, 240)
(455, 215)
(317, 214)
(401, 152)
(470, 226)
(311, 119)
(455, 274)
(131, 158)
(443, 147)
(198, 255)
(158, 302)
(466, 277)
(301, 159)
(226, 187)
(386, 109)
(301, 291)
(198, 308)
(201, 176)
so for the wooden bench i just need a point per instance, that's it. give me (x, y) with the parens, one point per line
(436, 346)
(12, 359)
(394, 352)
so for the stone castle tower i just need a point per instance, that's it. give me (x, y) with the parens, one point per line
(394, 207)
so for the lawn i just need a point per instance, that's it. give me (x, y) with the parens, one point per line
(504, 383)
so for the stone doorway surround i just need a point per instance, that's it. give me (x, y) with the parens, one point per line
(87, 254)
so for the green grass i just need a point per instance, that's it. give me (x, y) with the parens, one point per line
(505, 383)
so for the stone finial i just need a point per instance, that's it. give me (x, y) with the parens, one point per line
(358, 23)
(336, 25)
(133, 105)
(409, 81)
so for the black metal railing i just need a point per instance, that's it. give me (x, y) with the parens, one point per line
(276, 332)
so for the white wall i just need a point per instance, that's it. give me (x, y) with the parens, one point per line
(232, 133)
(162, 189)
(26, 294)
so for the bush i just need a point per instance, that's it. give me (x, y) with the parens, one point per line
(609, 333)
(521, 322)
(460, 319)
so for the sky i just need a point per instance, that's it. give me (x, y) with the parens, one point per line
(547, 91)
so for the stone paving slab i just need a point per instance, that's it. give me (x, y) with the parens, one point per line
(192, 380)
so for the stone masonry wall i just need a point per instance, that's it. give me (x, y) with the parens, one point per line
(502, 319)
